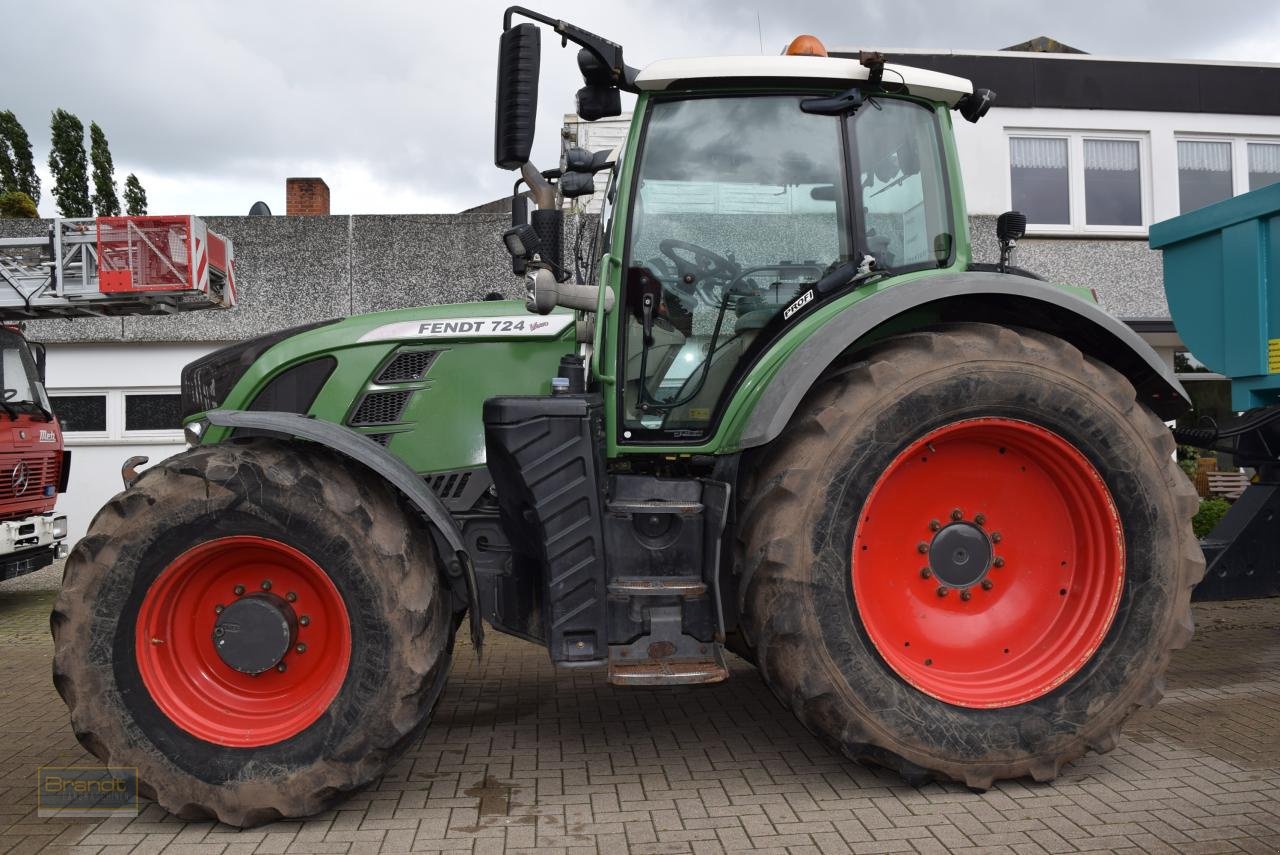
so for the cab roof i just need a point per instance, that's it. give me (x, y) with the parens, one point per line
(920, 82)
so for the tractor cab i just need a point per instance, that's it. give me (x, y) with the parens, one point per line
(752, 191)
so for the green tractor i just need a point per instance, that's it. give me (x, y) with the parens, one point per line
(778, 411)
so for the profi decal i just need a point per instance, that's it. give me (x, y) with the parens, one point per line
(515, 326)
(805, 299)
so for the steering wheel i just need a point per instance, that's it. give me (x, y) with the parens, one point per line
(694, 264)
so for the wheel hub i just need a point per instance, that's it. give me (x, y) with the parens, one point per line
(987, 562)
(960, 555)
(253, 634)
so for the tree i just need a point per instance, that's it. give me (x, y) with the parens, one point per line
(17, 205)
(17, 165)
(69, 165)
(135, 198)
(105, 201)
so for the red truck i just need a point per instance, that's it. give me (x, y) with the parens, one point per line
(34, 467)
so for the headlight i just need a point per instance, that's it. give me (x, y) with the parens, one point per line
(207, 381)
(59, 527)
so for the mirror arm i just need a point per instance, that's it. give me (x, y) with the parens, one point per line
(541, 190)
(608, 53)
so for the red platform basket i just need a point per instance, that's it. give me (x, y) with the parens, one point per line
(169, 253)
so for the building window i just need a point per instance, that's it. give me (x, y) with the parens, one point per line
(81, 413)
(1204, 173)
(1211, 169)
(1038, 170)
(1112, 183)
(1264, 164)
(1070, 182)
(152, 412)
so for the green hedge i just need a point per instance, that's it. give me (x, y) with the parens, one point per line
(1211, 510)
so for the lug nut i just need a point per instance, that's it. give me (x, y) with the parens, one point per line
(998, 561)
(995, 537)
(266, 584)
(282, 667)
(922, 547)
(217, 610)
(301, 648)
(987, 584)
(934, 525)
(942, 590)
(291, 597)
(925, 572)
(980, 519)
(965, 595)
(304, 620)
(957, 515)
(239, 590)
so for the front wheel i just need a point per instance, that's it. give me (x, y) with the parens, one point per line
(257, 627)
(969, 557)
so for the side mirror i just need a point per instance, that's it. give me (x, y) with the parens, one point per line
(41, 354)
(519, 57)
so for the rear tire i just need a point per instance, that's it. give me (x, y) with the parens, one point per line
(340, 554)
(806, 509)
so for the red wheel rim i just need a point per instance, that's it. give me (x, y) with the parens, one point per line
(1054, 562)
(195, 688)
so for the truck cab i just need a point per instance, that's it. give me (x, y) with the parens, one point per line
(34, 467)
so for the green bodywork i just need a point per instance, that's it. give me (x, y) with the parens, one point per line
(441, 430)
(441, 426)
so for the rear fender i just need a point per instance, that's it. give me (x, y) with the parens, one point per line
(990, 297)
(395, 471)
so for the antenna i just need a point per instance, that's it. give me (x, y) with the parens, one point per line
(759, 32)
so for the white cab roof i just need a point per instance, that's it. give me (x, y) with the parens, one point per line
(919, 82)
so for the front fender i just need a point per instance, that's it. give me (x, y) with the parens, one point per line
(373, 456)
(973, 296)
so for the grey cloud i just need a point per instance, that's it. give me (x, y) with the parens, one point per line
(249, 91)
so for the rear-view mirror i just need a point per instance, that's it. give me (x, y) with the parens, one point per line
(519, 56)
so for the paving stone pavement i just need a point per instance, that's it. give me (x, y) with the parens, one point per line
(521, 758)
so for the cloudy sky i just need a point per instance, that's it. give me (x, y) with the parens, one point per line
(214, 104)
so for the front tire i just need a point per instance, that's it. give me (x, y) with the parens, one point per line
(308, 550)
(1048, 614)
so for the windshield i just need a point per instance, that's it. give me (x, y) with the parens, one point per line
(17, 371)
(740, 206)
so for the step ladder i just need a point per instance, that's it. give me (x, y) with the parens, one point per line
(114, 266)
(665, 656)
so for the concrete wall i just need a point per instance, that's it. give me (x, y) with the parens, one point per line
(294, 270)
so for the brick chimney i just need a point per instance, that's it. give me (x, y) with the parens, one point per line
(306, 197)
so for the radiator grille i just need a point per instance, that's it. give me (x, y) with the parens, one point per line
(407, 366)
(380, 438)
(381, 408)
(24, 476)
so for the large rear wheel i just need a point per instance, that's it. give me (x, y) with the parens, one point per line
(257, 627)
(969, 557)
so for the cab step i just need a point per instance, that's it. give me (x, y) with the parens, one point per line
(669, 672)
(658, 586)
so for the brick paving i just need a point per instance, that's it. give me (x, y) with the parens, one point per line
(523, 759)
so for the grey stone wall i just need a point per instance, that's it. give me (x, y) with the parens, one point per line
(294, 270)
(1127, 275)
